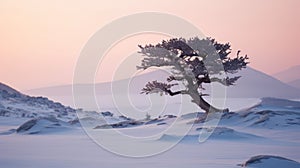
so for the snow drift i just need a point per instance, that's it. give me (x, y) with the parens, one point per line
(263, 161)
(269, 113)
(44, 125)
(219, 133)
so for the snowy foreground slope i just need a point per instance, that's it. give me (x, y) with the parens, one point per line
(16, 104)
(49, 135)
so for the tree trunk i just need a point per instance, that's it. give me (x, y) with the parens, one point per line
(209, 108)
(204, 105)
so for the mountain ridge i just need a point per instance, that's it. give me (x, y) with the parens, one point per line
(288, 75)
(252, 84)
(295, 83)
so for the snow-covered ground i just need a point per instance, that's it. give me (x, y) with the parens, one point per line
(73, 148)
(80, 151)
(260, 133)
(232, 143)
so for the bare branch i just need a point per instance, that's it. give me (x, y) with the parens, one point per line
(159, 87)
(177, 92)
(173, 77)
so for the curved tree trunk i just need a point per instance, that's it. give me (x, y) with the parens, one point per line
(204, 105)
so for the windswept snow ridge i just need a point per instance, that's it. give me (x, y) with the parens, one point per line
(269, 113)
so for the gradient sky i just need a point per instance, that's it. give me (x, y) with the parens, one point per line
(41, 40)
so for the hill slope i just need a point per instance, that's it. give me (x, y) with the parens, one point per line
(15, 104)
(257, 84)
(295, 83)
(289, 75)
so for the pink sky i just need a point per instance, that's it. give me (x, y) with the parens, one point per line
(41, 40)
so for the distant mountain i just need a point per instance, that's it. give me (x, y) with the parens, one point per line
(256, 84)
(252, 84)
(137, 83)
(289, 75)
(64, 93)
(15, 104)
(295, 83)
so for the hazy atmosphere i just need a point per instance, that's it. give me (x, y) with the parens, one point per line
(143, 84)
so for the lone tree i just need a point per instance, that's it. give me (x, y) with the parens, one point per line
(193, 62)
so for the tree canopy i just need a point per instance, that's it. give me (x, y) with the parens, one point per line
(193, 62)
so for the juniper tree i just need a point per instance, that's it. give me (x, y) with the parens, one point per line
(193, 62)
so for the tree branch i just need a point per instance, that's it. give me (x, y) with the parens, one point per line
(225, 81)
(159, 87)
(176, 93)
